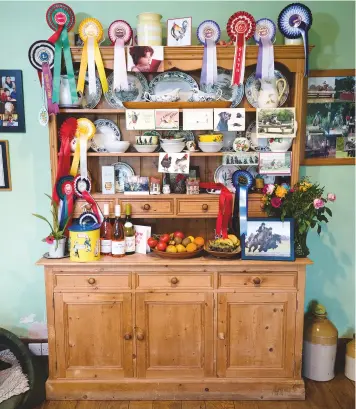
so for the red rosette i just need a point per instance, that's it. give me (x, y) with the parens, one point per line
(241, 23)
(59, 15)
(120, 29)
(68, 129)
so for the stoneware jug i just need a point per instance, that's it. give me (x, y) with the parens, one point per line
(350, 367)
(270, 94)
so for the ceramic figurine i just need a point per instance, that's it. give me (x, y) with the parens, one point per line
(191, 146)
(200, 96)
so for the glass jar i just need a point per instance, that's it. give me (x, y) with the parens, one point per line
(149, 30)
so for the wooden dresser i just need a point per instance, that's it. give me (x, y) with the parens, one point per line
(199, 329)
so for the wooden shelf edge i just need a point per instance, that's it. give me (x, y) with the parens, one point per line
(139, 154)
(113, 111)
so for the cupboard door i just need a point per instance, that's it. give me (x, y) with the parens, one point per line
(256, 335)
(93, 335)
(174, 335)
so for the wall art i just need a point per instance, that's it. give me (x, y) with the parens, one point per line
(229, 119)
(198, 119)
(275, 163)
(145, 58)
(276, 122)
(140, 119)
(173, 163)
(167, 118)
(179, 31)
(5, 177)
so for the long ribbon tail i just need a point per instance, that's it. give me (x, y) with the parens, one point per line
(239, 61)
(64, 213)
(203, 75)
(243, 206)
(75, 162)
(83, 68)
(258, 74)
(52, 108)
(83, 141)
(265, 62)
(271, 61)
(57, 71)
(100, 67)
(91, 67)
(55, 37)
(120, 73)
(304, 31)
(69, 65)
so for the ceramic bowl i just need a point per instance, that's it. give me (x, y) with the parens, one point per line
(211, 138)
(147, 140)
(116, 146)
(145, 148)
(241, 145)
(279, 144)
(210, 146)
(177, 140)
(173, 147)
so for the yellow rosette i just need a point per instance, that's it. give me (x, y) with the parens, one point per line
(85, 131)
(91, 31)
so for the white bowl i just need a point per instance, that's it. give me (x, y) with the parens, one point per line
(178, 140)
(278, 144)
(116, 146)
(145, 148)
(147, 139)
(173, 147)
(210, 146)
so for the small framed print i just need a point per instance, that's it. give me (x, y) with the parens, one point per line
(173, 163)
(276, 122)
(229, 119)
(140, 119)
(275, 163)
(198, 119)
(12, 114)
(179, 31)
(241, 158)
(167, 119)
(268, 239)
(5, 177)
(145, 58)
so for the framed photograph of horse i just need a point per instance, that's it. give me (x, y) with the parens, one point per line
(268, 239)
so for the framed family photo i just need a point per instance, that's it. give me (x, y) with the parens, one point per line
(145, 58)
(5, 177)
(12, 114)
(268, 239)
(330, 123)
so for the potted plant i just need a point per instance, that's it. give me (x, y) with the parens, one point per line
(56, 240)
(304, 202)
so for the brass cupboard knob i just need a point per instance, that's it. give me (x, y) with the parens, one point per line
(205, 207)
(140, 336)
(127, 337)
(257, 281)
(174, 280)
(91, 280)
(146, 207)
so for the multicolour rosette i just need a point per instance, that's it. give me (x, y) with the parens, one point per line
(208, 33)
(120, 34)
(264, 36)
(65, 192)
(240, 27)
(61, 20)
(242, 181)
(295, 21)
(41, 56)
(85, 132)
(90, 31)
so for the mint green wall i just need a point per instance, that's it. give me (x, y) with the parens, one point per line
(331, 279)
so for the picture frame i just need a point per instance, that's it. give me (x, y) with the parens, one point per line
(145, 58)
(5, 175)
(198, 119)
(274, 244)
(276, 122)
(229, 119)
(12, 113)
(329, 138)
(173, 162)
(275, 163)
(167, 119)
(140, 119)
(179, 31)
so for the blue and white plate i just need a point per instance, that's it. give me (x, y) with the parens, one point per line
(106, 130)
(256, 144)
(122, 172)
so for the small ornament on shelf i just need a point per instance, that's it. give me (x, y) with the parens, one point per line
(192, 187)
(259, 183)
(155, 186)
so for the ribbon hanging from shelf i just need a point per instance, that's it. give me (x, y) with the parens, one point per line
(242, 181)
(209, 71)
(120, 73)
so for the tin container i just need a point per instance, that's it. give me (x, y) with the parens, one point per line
(84, 243)
(350, 360)
(149, 30)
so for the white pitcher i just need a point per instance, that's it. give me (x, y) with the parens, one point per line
(270, 94)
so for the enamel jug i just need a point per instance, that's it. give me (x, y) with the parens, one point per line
(270, 92)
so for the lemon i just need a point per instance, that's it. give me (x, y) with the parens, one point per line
(181, 248)
(191, 239)
(171, 249)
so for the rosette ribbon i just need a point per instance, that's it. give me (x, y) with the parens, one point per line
(240, 28)
(225, 207)
(65, 192)
(91, 31)
(61, 19)
(208, 33)
(264, 36)
(242, 181)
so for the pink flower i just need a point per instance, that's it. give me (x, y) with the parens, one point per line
(318, 203)
(276, 202)
(49, 240)
(292, 190)
(332, 197)
(269, 189)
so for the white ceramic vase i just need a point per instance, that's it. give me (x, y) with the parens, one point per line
(55, 251)
(149, 30)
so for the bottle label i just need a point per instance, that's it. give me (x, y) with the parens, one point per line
(130, 244)
(105, 246)
(118, 248)
(128, 224)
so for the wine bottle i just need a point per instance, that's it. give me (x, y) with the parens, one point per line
(106, 233)
(129, 230)
(118, 235)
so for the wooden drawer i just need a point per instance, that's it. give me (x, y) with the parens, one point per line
(149, 207)
(78, 207)
(174, 280)
(198, 207)
(258, 280)
(254, 206)
(67, 282)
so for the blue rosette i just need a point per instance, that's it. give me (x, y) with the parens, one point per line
(208, 33)
(265, 28)
(242, 181)
(264, 36)
(208, 30)
(294, 21)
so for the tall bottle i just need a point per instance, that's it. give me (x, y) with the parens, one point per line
(129, 230)
(106, 233)
(118, 235)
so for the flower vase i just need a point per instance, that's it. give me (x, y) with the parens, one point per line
(301, 249)
(57, 248)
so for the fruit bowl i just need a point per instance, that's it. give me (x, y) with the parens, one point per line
(183, 255)
(222, 254)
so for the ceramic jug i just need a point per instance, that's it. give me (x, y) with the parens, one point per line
(350, 367)
(149, 30)
(65, 99)
(270, 94)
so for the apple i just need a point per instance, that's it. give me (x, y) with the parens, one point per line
(179, 234)
(161, 246)
(152, 242)
(165, 238)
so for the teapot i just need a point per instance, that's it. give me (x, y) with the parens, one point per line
(200, 96)
(270, 94)
(172, 96)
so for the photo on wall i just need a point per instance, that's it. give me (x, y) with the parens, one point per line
(276, 122)
(12, 114)
(5, 177)
(179, 31)
(145, 58)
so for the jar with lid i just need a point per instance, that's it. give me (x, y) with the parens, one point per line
(149, 29)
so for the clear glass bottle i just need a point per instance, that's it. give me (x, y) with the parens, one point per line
(129, 230)
(106, 233)
(118, 235)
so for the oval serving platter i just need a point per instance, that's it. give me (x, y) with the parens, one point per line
(106, 130)
(223, 174)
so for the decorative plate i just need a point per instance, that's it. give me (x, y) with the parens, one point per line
(122, 171)
(46, 255)
(85, 101)
(241, 144)
(256, 144)
(223, 174)
(169, 81)
(266, 178)
(187, 135)
(233, 94)
(106, 130)
(208, 30)
(137, 87)
(184, 255)
(253, 85)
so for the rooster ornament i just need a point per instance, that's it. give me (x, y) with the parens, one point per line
(178, 32)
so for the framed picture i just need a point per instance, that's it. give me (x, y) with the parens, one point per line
(12, 114)
(179, 31)
(136, 185)
(277, 122)
(268, 239)
(173, 162)
(167, 119)
(275, 163)
(229, 119)
(241, 158)
(5, 177)
(145, 58)
(198, 119)
(330, 123)
(140, 119)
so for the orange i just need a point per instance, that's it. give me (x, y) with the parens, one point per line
(191, 247)
(199, 241)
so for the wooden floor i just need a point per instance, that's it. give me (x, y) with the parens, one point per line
(336, 394)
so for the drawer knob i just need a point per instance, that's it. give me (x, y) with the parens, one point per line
(91, 280)
(257, 281)
(221, 335)
(127, 337)
(174, 280)
(146, 207)
(140, 336)
(205, 207)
